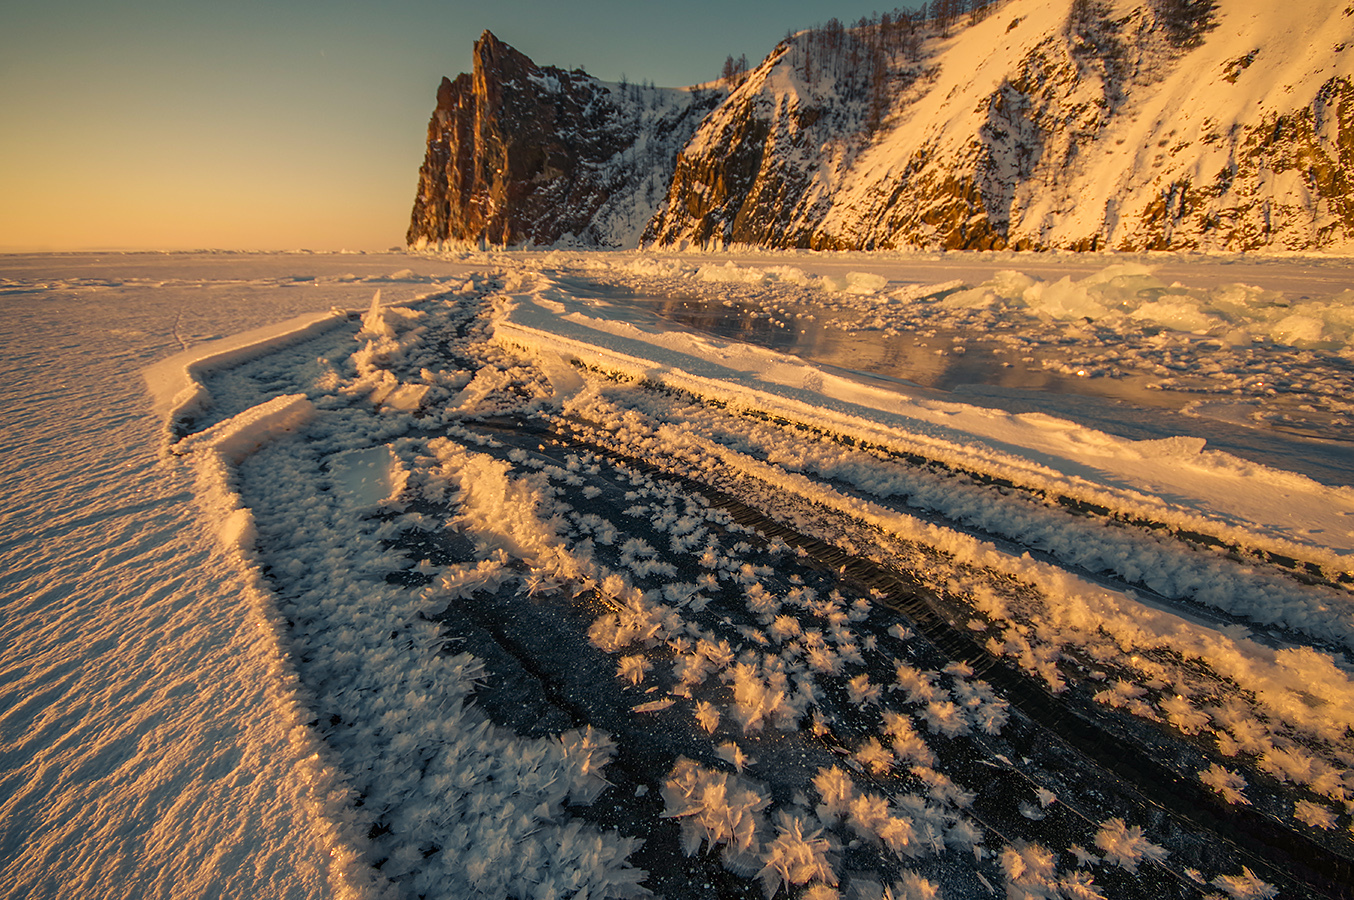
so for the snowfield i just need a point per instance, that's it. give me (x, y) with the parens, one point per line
(646, 574)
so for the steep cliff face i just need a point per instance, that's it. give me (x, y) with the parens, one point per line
(1048, 124)
(520, 154)
(1073, 124)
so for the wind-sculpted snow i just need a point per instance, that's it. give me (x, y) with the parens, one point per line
(580, 606)
(150, 744)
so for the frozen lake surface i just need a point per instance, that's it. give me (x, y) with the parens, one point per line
(684, 574)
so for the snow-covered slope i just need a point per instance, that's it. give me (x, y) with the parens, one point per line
(1079, 124)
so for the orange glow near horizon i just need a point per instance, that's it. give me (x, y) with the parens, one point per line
(264, 214)
(141, 190)
(159, 125)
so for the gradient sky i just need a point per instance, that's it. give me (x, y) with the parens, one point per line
(243, 124)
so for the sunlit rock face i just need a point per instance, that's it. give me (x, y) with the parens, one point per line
(520, 154)
(505, 148)
(1124, 125)
(1083, 125)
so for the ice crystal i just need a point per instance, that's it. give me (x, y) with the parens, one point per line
(1125, 846)
(714, 808)
(797, 855)
(1230, 785)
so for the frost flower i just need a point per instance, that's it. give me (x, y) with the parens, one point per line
(1125, 846)
(715, 808)
(1245, 886)
(798, 855)
(1227, 783)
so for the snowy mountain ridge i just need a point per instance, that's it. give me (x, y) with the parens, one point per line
(1044, 124)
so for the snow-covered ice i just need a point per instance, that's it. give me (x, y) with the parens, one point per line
(569, 574)
(150, 741)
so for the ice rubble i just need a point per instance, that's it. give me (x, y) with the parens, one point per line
(445, 794)
(1279, 356)
(1206, 489)
(1123, 296)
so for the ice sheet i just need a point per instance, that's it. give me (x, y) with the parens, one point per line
(162, 684)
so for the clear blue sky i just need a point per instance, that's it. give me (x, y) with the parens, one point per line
(244, 124)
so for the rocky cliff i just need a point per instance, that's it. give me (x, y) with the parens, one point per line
(1039, 124)
(1073, 125)
(520, 154)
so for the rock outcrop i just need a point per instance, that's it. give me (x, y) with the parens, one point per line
(520, 154)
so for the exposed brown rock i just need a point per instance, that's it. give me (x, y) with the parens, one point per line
(509, 147)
